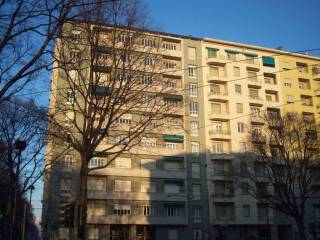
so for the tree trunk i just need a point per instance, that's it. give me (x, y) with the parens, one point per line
(82, 231)
(301, 227)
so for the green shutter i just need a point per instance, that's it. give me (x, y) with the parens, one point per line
(232, 51)
(175, 159)
(99, 90)
(212, 52)
(268, 61)
(250, 54)
(172, 97)
(172, 138)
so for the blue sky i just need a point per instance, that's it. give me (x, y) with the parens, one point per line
(293, 24)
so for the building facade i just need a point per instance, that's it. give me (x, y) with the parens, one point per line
(177, 183)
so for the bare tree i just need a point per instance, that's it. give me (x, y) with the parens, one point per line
(22, 141)
(28, 29)
(109, 71)
(284, 173)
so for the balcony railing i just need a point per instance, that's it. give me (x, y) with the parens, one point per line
(217, 93)
(254, 97)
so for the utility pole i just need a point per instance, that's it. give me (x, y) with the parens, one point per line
(20, 145)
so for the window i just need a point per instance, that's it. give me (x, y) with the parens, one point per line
(148, 42)
(244, 188)
(253, 93)
(252, 76)
(193, 88)
(173, 234)
(306, 100)
(125, 39)
(216, 108)
(171, 146)
(194, 108)
(69, 118)
(96, 184)
(67, 161)
(192, 53)
(285, 65)
(74, 56)
(170, 84)
(195, 170)
(174, 211)
(192, 70)
(125, 77)
(316, 209)
(75, 36)
(270, 79)
(304, 83)
(302, 67)
(255, 111)
(125, 119)
(70, 97)
(169, 46)
(242, 146)
(148, 187)
(195, 148)
(171, 188)
(220, 168)
(224, 210)
(170, 65)
(223, 189)
(212, 52)
(147, 80)
(215, 88)
(149, 210)
(149, 61)
(262, 211)
(217, 127)
(173, 165)
(93, 234)
(236, 71)
(290, 99)
(240, 127)
(197, 234)
(246, 210)
(217, 147)
(96, 162)
(196, 214)
(149, 163)
(122, 209)
(196, 191)
(122, 186)
(194, 129)
(287, 82)
(65, 185)
(149, 142)
(122, 139)
(96, 209)
(123, 162)
(237, 89)
(239, 107)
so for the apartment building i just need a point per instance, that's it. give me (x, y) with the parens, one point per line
(177, 183)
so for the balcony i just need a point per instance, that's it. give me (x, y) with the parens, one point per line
(258, 138)
(256, 99)
(253, 64)
(317, 92)
(257, 119)
(224, 116)
(218, 96)
(219, 134)
(221, 156)
(254, 82)
(214, 78)
(219, 59)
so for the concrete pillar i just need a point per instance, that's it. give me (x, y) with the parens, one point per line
(132, 232)
(106, 232)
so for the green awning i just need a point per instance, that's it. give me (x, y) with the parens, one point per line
(232, 51)
(172, 97)
(172, 138)
(101, 49)
(212, 49)
(175, 159)
(99, 90)
(104, 69)
(250, 54)
(268, 61)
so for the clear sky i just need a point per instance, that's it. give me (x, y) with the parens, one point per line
(293, 24)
